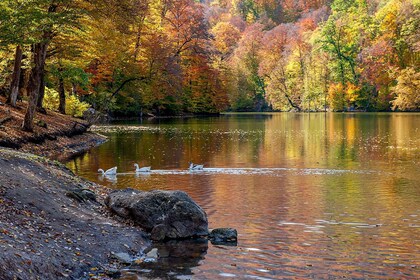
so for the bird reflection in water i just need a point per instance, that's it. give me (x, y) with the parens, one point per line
(175, 259)
(108, 178)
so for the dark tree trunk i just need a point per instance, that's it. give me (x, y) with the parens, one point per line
(36, 78)
(23, 83)
(62, 95)
(124, 83)
(74, 89)
(14, 89)
(39, 53)
(41, 93)
(291, 103)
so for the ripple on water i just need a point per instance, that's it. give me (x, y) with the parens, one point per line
(336, 196)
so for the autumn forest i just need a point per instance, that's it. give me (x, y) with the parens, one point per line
(169, 57)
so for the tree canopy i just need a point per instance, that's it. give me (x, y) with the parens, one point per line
(128, 57)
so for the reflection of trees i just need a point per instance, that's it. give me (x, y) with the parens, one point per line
(279, 140)
(257, 204)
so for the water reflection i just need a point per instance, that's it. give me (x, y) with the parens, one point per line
(311, 195)
(175, 260)
(107, 178)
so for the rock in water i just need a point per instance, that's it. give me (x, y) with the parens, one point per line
(165, 214)
(223, 235)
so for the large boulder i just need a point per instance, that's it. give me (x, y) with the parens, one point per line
(165, 214)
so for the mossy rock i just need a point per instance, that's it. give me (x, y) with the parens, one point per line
(41, 123)
(82, 195)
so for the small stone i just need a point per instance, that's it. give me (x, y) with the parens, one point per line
(123, 258)
(112, 272)
(153, 253)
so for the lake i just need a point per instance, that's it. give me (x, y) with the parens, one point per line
(312, 195)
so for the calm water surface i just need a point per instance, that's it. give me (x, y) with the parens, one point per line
(321, 196)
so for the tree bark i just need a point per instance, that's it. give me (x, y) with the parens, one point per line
(39, 53)
(41, 93)
(74, 89)
(62, 95)
(23, 83)
(36, 78)
(14, 90)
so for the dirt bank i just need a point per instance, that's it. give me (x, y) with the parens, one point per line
(55, 136)
(50, 228)
(46, 232)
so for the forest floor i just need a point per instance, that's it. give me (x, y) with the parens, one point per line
(55, 136)
(50, 228)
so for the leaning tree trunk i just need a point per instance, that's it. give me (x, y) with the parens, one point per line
(62, 95)
(14, 91)
(39, 55)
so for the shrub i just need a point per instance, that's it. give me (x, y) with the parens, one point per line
(74, 106)
(51, 100)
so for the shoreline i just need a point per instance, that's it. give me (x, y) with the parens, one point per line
(47, 232)
(64, 148)
(54, 224)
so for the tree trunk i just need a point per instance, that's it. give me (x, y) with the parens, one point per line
(23, 83)
(39, 53)
(14, 91)
(41, 93)
(62, 95)
(73, 89)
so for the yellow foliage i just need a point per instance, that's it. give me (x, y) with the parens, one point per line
(407, 90)
(336, 95)
(74, 106)
(226, 36)
(352, 92)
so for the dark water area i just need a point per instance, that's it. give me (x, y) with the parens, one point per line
(321, 196)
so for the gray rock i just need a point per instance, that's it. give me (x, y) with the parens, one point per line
(165, 214)
(153, 253)
(82, 195)
(123, 258)
(223, 235)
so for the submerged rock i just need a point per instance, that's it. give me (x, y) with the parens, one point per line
(165, 214)
(226, 236)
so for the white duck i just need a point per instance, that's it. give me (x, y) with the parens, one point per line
(195, 167)
(111, 171)
(142, 169)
